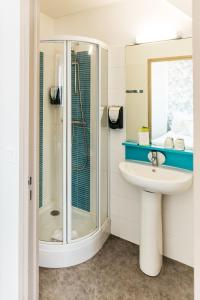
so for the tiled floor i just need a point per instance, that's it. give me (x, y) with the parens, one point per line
(114, 274)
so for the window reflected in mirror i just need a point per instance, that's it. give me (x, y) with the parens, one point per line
(171, 100)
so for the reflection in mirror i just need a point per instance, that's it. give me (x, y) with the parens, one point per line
(171, 100)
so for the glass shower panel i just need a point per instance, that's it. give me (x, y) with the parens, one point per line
(104, 135)
(84, 96)
(51, 141)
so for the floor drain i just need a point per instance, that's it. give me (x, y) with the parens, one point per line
(55, 212)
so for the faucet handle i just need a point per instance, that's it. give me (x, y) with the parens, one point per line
(156, 157)
(154, 154)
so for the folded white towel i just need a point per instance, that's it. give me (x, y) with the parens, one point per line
(57, 235)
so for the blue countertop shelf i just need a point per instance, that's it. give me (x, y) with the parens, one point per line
(174, 158)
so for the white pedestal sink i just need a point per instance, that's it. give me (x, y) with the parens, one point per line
(154, 181)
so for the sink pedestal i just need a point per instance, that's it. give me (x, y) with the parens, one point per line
(151, 233)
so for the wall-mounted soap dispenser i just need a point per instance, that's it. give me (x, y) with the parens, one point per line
(115, 117)
(55, 95)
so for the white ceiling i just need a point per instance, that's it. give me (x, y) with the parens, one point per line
(184, 5)
(60, 8)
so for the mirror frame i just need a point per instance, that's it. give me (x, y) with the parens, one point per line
(149, 63)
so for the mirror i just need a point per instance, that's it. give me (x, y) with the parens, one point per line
(159, 91)
(171, 100)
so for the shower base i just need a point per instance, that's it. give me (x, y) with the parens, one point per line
(86, 239)
(83, 223)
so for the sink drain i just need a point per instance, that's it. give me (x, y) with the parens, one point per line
(55, 212)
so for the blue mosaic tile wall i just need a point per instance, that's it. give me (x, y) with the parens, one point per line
(41, 130)
(81, 133)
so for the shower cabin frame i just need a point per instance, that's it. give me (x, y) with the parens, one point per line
(71, 252)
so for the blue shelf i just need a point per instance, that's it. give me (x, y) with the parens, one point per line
(174, 158)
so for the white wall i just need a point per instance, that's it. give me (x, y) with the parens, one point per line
(105, 24)
(47, 26)
(9, 149)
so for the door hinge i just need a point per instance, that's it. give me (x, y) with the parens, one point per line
(30, 180)
(30, 195)
(30, 190)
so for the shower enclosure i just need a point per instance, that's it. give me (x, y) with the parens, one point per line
(73, 150)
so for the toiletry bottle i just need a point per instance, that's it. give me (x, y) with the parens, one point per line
(143, 136)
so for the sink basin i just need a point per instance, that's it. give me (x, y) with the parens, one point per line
(153, 181)
(163, 180)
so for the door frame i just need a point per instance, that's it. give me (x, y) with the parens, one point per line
(29, 74)
(196, 210)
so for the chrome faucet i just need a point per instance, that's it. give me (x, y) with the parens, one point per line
(154, 158)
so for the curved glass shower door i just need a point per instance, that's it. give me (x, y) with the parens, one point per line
(51, 141)
(73, 149)
(84, 141)
(104, 137)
